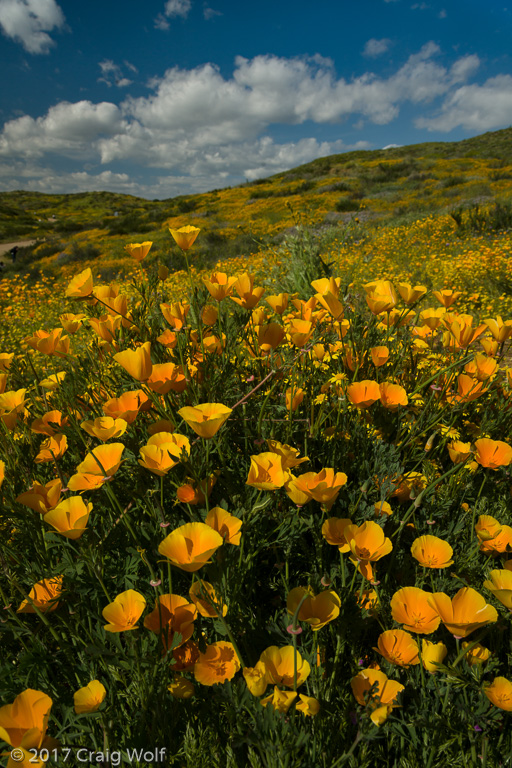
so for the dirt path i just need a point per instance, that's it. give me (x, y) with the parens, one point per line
(6, 247)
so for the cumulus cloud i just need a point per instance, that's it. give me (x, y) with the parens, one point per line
(374, 48)
(475, 107)
(29, 21)
(112, 74)
(215, 130)
(172, 9)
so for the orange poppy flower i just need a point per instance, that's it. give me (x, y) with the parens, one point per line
(217, 664)
(99, 464)
(279, 663)
(124, 613)
(459, 451)
(52, 449)
(476, 655)
(411, 607)
(362, 394)
(206, 599)
(380, 356)
(105, 427)
(432, 552)
(105, 326)
(308, 705)
(127, 406)
(300, 331)
(2, 473)
(41, 498)
(70, 517)
(44, 595)
(292, 403)
(316, 610)
(219, 286)
(368, 544)
(392, 395)
(499, 693)
(266, 471)
(71, 322)
(23, 725)
(81, 285)
(432, 317)
(190, 546)
(500, 330)
(12, 404)
(464, 613)
(493, 453)
(494, 537)
(380, 296)
(248, 295)
(482, 367)
(289, 454)
(205, 419)
(228, 526)
(256, 678)
(6, 359)
(500, 584)
(49, 423)
(175, 314)
(163, 451)
(432, 654)
(172, 616)
(411, 294)
(138, 251)
(333, 531)
(280, 701)
(185, 236)
(186, 655)
(49, 342)
(398, 647)
(136, 362)
(447, 296)
(373, 689)
(89, 698)
(382, 508)
(323, 486)
(278, 302)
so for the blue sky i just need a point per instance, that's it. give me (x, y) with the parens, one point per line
(165, 97)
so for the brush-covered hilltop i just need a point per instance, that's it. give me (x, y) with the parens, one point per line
(434, 213)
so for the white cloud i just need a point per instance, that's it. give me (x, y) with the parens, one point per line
(374, 48)
(172, 9)
(213, 130)
(475, 107)
(29, 21)
(112, 74)
(210, 13)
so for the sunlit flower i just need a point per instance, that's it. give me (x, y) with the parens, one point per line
(493, 453)
(316, 610)
(127, 405)
(50, 423)
(104, 427)
(23, 725)
(52, 449)
(293, 402)
(308, 705)
(279, 663)
(172, 620)
(368, 544)
(411, 294)
(41, 498)
(380, 296)
(392, 395)
(380, 356)
(163, 451)
(465, 612)
(124, 613)
(228, 526)
(382, 508)
(256, 678)
(289, 454)
(99, 464)
(69, 517)
(300, 331)
(136, 362)
(90, 698)
(217, 664)
(447, 297)
(494, 537)
(44, 595)
(362, 394)
(280, 701)
(373, 688)
(81, 285)
(500, 584)
(248, 295)
(432, 552)
(432, 654)
(411, 607)
(477, 654)
(499, 693)
(333, 531)
(175, 314)
(279, 302)
(459, 451)
(138, 251)
(190, 546)
(266, 471)
(323, 486)
(219, 285)
(185, 236)
(206, 599)
(205, 419)
(398, 647)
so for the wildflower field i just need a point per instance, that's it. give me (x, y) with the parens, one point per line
(257, 512)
